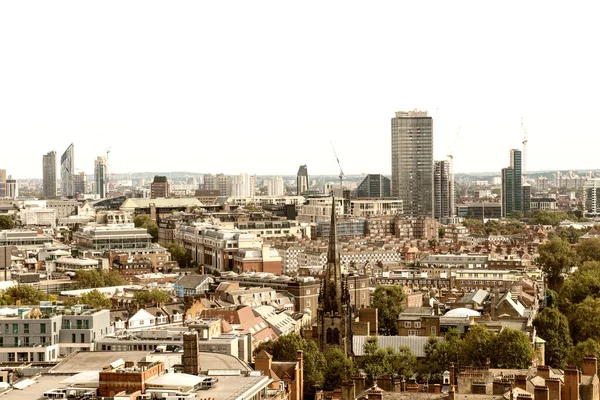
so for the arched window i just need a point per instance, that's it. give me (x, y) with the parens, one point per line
(329, 336)
(336, 336)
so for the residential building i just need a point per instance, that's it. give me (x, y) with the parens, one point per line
(79, 331)
(67, 171)
(159, 187)
(49, 175)
(220, 182)
(243, 185)
(192, 285)
(11, 188)
(264, 259)
(302, 184)
(23, 339)
(79, 184)
(412, 162)
(592, 198)
(443, 190)
(101, 177)
(374, 185)
(372, 207)
(274, 186)
(515, 197)
(543, 203)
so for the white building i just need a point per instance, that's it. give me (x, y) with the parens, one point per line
(274, 186)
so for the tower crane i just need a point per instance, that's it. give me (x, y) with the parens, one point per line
(451, 157)
(341, 175)
(524, 151)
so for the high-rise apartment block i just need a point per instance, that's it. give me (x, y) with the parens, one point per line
(374, 185)
(219, 182)
(515, 196)
(412, 162)
(591, 198)
(11, 188)
(243, 185)
(274, 186)
(100, 177)
(67, 171)
(49, 175)
(302, 180)
(443, 191)
(160, 187)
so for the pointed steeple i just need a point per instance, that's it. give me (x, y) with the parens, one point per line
(332, 290)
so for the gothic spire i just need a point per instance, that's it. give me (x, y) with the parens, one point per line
(332, 296)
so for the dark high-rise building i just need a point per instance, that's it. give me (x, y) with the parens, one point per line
(100, 177)
(374, 185)
(334, 314)
(516, 163)
(79, 183)
(442, 190)
(302, 180)
(159, 187)
(67, 171)
(49, 175)
(508, 198)
(412, 162)
(515, 197)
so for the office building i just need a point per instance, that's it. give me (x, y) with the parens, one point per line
(67, 172)
(515, 197)
(302, 180)
(516, 163)
(49, 175)
(159, 187)
(443, 193)
(11, 188)
(374, 185)
(100, 177)
(412, 162)
(79, 183)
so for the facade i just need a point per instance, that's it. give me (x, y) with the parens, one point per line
(243, 185)
(412, 162)
(159, 187)
(67, 171)
(373, 207)
(515, 195)
(101, 177)
(11, 188)
(443, 192)
(480, 211)
(302, 180)
(49, 175)
(274, 186)
(25, 340)
(374, 185)
(104, 238)
(592, 198)
(79, 183)
(220, 182)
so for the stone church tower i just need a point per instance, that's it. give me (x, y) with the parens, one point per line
(334, 312)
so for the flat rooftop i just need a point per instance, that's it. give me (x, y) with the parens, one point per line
(95, 360)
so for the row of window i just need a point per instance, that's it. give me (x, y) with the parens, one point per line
(25, 328)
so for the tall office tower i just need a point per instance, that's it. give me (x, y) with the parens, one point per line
(516, 163)
(374, 185)
(512, 186)
(412, 162)
(67, 171)
(160, 187)
(302, 180)
(508, 184)
(526, 198)
(79, 184)
(49, 174)
(274, 186)
(11, 188)
(442, 192)
(100, 176)
(243, 185)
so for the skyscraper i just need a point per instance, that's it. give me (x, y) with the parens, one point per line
(274, 186)
(513, 192)
(508, 184)
(302, 180)
(160, 187)
(100, 176)
(49, 174)
(516, 163)
(374, 185)
(79, 183)
(412, 162)
(67, 171)
(442, 193)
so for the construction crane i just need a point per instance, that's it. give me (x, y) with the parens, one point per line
(341, 175)
(451, 157)
(108, 184)
(524, 151)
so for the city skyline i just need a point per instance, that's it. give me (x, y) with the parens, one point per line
(164, 96)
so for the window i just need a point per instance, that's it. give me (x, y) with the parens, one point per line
(6, 329)
(15, 329)
(42, 328)
(82, 338)
(417, 324)
(407, 324)
(25, 328)
(11, 357)
(433, 330)
(72, 337)
(307, 303)
(413, 332)
(307, 291)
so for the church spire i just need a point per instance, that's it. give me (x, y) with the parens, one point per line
(332, 296)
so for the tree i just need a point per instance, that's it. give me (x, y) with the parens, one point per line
(553, 327)
(582, 283)
(584, 320)
(589, 250)
(556, 257)
(551, 298)
(23, 295)
(94, 299)
(96, 279)
(377, 362)
(389, 301)
(285, 349)
(154, 296)
(439, 354)
(178, 253)
(582, 349)
(518, 215)
(144, 221)
(513, 350)
(6, 222)
(477, 346)
(339, 367)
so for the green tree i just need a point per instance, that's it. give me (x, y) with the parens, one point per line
(94, 299)
(95, 279)
(144, 221)
(6, 222)
(556, 257)
(582, 349)
(439, 354)
(513, 350)
(23, 295)
(339, 367)
(478, 346)
(553, 327)
(582, 283)
(551, 298)
(154, 296)
(285, 348)
(584, 320)
(518, 215)
(589, 250)
(377, 362)
(389, 301)
(178, 253)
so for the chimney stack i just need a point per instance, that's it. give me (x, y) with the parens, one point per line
(590, 365)
(541, 393)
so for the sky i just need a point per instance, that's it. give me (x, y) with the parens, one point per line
(262, 87)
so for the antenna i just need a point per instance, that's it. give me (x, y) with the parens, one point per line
(341, 175)
(451, 157)
(524, 151)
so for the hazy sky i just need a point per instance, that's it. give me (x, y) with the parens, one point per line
(262, 87)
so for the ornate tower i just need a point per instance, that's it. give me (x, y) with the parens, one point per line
(334, 314)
